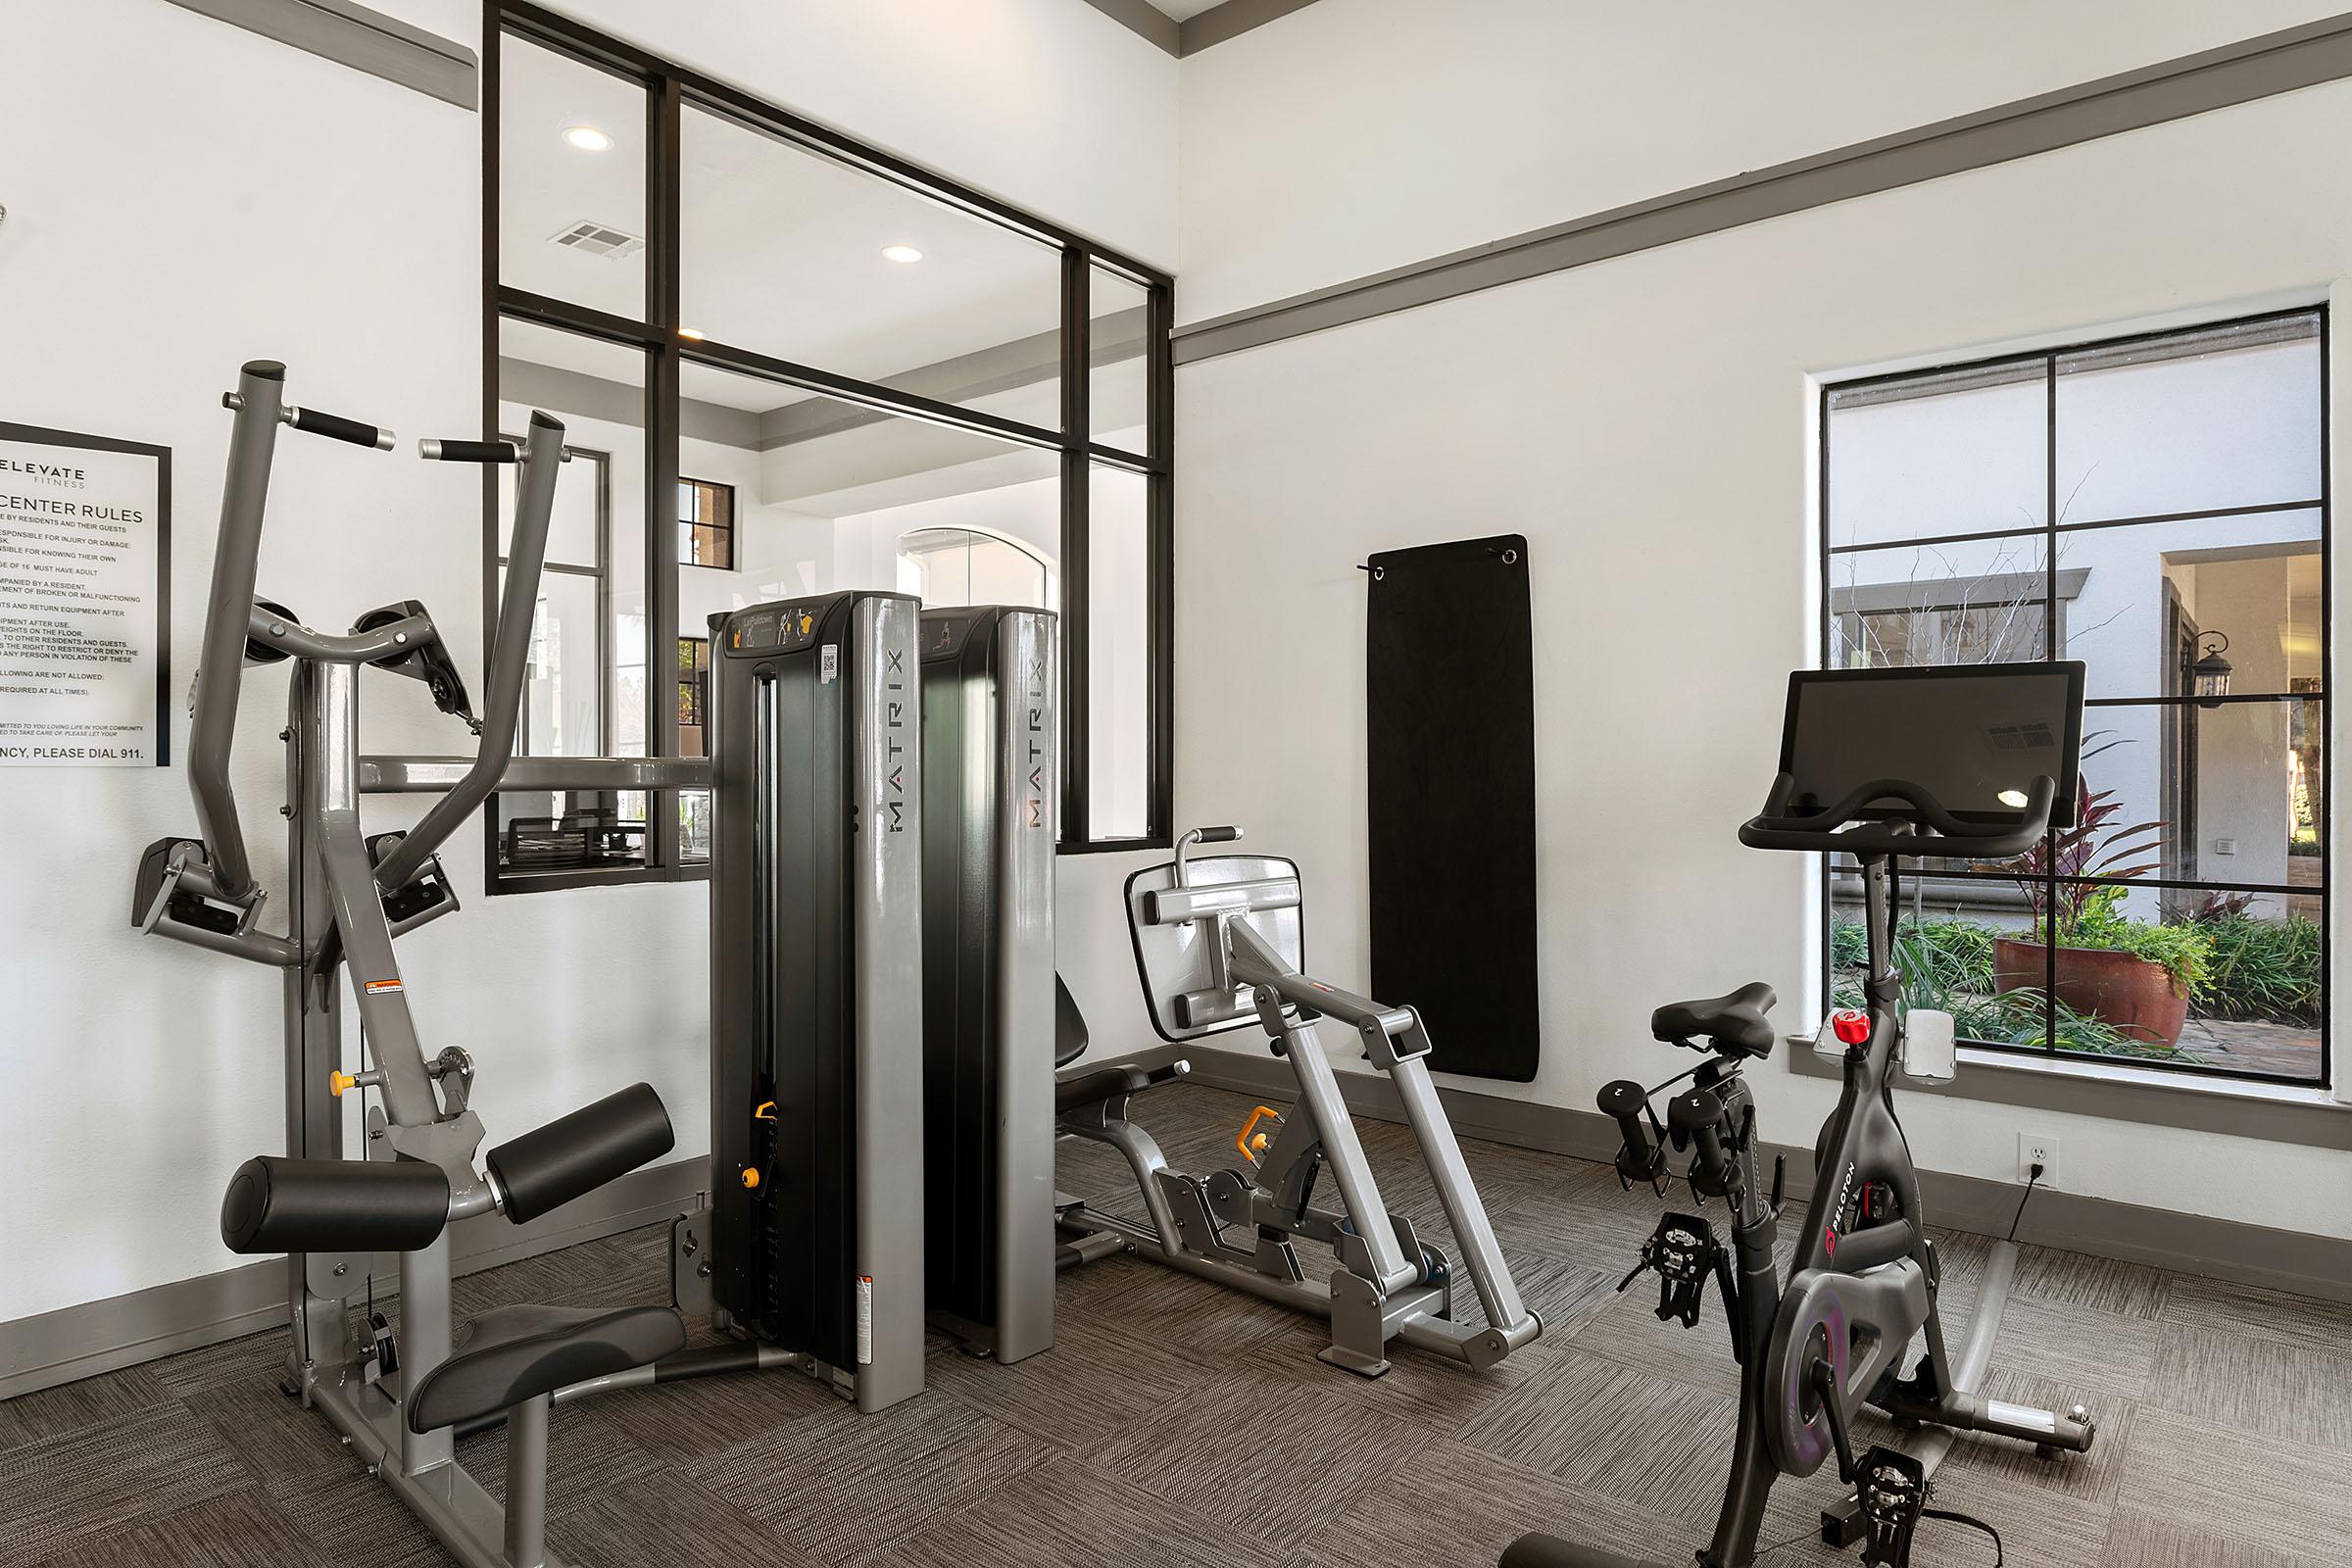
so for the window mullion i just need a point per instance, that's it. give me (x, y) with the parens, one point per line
(662, 465)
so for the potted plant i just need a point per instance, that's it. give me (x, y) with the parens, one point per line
(2136, 976)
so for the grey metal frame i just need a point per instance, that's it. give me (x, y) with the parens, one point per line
(336, 917)
(1234, 961)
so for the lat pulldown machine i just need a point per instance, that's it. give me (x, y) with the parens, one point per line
(397, 1397)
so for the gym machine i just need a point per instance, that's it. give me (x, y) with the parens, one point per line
(397, 1397)
(990, 769)
(811, 1245)
(1960, 762)
(1218, 945)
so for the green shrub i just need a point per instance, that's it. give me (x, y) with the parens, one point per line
(2264, 969)
(2186, 951)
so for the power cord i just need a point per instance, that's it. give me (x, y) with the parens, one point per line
(1972, 1523)
(2032, 1180)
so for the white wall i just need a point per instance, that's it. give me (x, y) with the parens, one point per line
(161, 231)
(1648, 423)
(1355, 135)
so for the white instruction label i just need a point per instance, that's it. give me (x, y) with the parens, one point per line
(828, 663)
(865, 1304)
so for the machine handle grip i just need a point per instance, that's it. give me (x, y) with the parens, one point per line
(451, 451)
(1640, 1158)
(1216, 835)
(337, 428)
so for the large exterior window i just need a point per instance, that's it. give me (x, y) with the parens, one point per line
(834, 371)
(2157, 507)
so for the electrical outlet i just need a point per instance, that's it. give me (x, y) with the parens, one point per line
(2038, 1149)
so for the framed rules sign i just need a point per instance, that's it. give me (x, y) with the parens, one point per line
(85, 625)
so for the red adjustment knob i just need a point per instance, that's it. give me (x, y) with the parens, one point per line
(1851, 1026)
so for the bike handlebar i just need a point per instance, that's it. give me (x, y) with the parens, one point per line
(1898, 830)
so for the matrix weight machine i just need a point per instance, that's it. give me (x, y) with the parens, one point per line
(398, 1398)
(1961, 762)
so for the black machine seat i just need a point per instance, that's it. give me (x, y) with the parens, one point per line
(1733, 1022)
(515, 1354)
(1088, 1085)
(1069, 1026)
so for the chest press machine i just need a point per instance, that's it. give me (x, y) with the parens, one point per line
(1218, 945)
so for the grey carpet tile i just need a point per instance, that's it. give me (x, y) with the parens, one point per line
(1194, 1317)
(85, 1483)
(2095, 1475)
(2292, 1392)
(1572, 1420)
(1096, 1379)
(2130, 1290)
(1455, 1506)
(663, 1519)
(1626, 1329)
(676, 1422)
(275, 1439)
(1437, 1392)
(2079, 1347)
(587, 1456)
(1077, 1513)
(355, 1521)
(1233, 1458)
(2266, 1314)
(846, 1485)
(236, 1529)
(2137, 1538)
(2275, 1496)
(72, 1407)
(255, 1359)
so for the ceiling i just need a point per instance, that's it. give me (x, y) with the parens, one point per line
(1183, 10)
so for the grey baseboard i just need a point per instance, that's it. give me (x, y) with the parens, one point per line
(2131, 1233)
(105, 1336)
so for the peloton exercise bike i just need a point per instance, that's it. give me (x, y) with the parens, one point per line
(1217, 942)
(398, 1398)
(1959, 763)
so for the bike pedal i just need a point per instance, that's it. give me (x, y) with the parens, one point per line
(1892, 1488)
(1686, 1253)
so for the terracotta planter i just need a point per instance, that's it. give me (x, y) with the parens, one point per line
(2128, 994)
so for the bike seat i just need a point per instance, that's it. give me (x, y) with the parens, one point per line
(1733, 1022)
(514, 1354)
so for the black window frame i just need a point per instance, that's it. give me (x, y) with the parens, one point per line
(2044, 365)
(687, 526)
(670, 89)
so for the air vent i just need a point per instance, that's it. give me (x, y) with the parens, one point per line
(596, 239)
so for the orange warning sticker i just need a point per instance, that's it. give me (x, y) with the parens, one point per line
(376, 988)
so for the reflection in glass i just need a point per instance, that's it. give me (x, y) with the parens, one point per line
(962, 567)
(1961, 452)
(1119, 667)
(1119, 396)
(2227, 417)
(1979, 602)
(783, 252)
(570, 213)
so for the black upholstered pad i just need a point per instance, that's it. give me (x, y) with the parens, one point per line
(1069, 1026)
(514, 1354)
(1737, 1020)
(1081, 1087)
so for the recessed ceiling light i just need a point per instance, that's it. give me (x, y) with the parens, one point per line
(902, 253)
(587, 138)
(2016, 798)
(692, 332)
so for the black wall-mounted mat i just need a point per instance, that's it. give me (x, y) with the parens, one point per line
(1452, 733)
